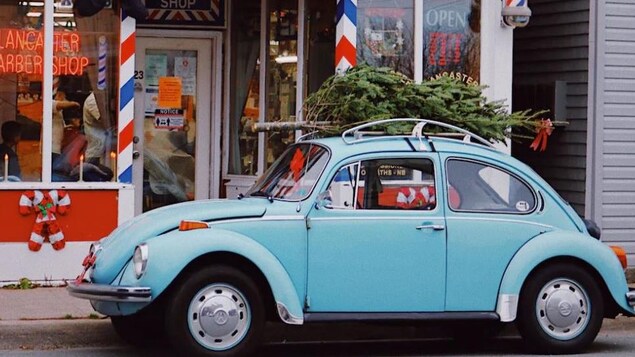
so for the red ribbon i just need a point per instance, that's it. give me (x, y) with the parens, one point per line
(544, 130)
(297, 164)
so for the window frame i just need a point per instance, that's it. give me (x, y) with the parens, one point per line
(537, 202)
(360, 161)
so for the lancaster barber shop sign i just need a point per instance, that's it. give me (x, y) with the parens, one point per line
(188, 13)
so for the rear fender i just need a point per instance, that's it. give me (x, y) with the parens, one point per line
(560, 244)
(169, 254)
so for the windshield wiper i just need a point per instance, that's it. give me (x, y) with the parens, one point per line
(262, 194)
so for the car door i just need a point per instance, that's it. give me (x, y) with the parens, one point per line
(379, 245)
(491, 213)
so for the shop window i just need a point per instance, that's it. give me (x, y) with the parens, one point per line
(385, 34)
(21, 102)
(451, 45)
(282, 74)
(83, 124)
(248, 156)
(245, 68)
(84, 119)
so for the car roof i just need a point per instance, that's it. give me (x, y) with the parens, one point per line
(341, 149)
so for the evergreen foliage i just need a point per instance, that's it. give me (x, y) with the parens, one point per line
(365, 93)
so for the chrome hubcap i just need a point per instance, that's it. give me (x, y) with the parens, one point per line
(219, 317)
(562, 309)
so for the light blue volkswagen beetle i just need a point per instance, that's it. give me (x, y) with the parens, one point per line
(363, 227)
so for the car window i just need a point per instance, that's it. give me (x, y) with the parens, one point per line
(474, 186)
(294, 173)
(393, 184)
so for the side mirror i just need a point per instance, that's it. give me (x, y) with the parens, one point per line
(324, 200)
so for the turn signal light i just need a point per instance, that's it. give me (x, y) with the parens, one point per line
(621, 255)
(191, 225)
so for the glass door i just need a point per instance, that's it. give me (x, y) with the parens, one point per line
(172, 121)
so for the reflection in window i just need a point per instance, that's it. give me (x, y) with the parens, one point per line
(21, 102)
(385, 184)
(293, 175)
(320, 40)
(85, 74)
(451, 46)
(282, 73)
(245, 32)
(478, 187)
(385, 34)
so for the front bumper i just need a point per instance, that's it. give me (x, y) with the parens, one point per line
(630, 297)
(112, 293)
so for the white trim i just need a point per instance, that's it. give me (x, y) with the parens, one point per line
(262, 93)
(507, 307)
(47, 92)
(595, 114)
(418, 50)
(300, 75)
(216, 151)
(63, 185)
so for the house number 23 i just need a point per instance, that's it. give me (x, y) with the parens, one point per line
(138, 74)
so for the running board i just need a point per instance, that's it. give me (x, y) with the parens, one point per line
(398, 316)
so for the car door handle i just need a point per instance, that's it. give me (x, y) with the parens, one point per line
(436, 227)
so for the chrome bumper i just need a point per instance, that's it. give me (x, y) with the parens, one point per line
(99, 292)
(630, 297)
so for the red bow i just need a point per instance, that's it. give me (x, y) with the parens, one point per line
(544, 130)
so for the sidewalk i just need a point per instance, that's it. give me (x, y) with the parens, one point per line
(42, 303)
(46, 303)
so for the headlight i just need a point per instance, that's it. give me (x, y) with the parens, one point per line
(94, 248)
(140, 259)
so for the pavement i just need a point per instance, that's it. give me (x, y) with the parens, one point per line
(42, 303)
(46, 303)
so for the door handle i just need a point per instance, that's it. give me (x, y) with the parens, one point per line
(434, 227)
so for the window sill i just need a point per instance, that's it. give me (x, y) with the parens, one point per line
(63, 185)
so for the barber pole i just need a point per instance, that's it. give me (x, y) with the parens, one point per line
(103, 52)
(126, 98)
(346, 35)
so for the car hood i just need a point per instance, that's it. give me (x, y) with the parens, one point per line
(119, 246)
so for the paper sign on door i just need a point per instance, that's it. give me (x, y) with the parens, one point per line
(170, 90)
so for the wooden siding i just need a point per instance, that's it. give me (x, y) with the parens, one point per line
(617, 98)
(555, 47)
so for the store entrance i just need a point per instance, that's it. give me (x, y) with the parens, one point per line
(173, 151)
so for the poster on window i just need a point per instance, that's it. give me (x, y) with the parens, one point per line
(385, 34)
(451, 46)
(185, 67)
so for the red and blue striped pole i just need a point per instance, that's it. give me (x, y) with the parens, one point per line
(346, 35)
(126, 98)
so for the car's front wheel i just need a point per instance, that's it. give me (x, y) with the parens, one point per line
(216, 311)
(560, 310)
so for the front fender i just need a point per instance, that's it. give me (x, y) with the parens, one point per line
(560, 244)
(169, 254)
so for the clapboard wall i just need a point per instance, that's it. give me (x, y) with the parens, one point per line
(611, 179)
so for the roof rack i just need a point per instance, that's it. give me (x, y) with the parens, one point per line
(357, 135)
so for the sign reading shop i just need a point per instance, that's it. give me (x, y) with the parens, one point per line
(206, 14)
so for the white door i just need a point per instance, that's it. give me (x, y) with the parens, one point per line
(173, 158)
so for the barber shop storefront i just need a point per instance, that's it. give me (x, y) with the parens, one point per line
(107, 113)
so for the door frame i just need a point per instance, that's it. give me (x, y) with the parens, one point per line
(211, 164)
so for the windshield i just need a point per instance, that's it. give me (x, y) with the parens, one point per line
(293, 175)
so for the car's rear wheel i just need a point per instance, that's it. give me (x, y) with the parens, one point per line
(560, 310)
(216, 311)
